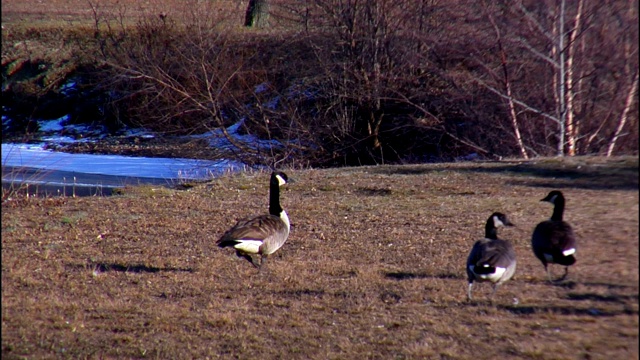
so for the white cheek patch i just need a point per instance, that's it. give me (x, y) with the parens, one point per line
(553, 199)
(569, 252)
(248, 246)
(497, 222)
(281, 181)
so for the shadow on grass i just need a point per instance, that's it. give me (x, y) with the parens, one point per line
(614, 176)
(373, 191)
(571, 284)
(565, 310)
(132, 268)
(300, 293)
(604, 298)
(559, 173)
(611, 286)
(578, 184)
(406, 170)
(401, 275)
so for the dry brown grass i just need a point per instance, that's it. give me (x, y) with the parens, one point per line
(374, 268)
(55, 12)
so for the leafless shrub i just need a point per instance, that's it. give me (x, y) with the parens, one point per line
(340, 82)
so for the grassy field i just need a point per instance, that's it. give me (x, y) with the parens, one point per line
(18, 15)
(373, 269)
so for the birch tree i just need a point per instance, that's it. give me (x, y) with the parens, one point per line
(559, 36)
(624, 117)
(569, 39)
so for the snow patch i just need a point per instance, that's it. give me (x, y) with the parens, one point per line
(53, 125)
(218, 140)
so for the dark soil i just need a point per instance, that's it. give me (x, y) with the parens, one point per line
(168, 147)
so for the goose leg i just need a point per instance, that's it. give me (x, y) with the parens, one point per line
(546, 268)
(566, 272)
(255, 263)
(248, 257)
(469, 290)
(263, 260)
(495, 288)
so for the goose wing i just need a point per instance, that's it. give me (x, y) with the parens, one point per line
(496, 253)
(491, 260)
(263, 234)
(476, 252)
(550, 236)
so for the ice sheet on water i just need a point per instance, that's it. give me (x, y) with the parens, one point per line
(34, 155)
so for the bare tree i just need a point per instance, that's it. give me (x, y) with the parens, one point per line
(624, 117)
(554, 31)
(560, 44)
(387, 77)
(188, 77)
(506, 90)
(572, 81)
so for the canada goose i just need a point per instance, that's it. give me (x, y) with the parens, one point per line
(491, 259)
(262, 234)
(553, 241)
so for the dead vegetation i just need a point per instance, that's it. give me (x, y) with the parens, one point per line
(335, 82)
(374, 268)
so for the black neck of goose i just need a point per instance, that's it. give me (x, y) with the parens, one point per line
(490, 231)
(274, 199)
(558, 209)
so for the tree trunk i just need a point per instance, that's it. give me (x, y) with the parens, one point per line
(562, 87)
(624, 116)
(572, 128)
(257, 14)
(509, 92)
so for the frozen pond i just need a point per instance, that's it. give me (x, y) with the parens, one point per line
(58, 172)
(55, 172)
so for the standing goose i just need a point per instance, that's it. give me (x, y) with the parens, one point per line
(262, 234)
(553, 241)
(491, 259)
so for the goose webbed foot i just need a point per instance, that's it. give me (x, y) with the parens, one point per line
(546, 268)
(493, 294)
(560, 279)
(564, 276)
(249, 258)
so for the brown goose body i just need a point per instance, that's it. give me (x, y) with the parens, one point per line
(491, 259)
(264, 234)
(553, 241)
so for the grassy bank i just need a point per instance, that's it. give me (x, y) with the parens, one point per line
(374, 268)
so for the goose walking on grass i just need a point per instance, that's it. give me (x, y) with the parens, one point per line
(553, 240)
(491, 259)
(261, 235)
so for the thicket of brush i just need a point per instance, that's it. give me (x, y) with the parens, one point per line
(347, 83)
